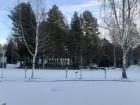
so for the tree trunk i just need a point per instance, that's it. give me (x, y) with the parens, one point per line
(43, 62)
(33, 67)
(124, 75)
(132, 59)
(114, 55)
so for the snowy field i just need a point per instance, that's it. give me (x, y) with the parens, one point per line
(50, 87)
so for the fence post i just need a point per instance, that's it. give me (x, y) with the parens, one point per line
(25, 71)
(105, 72)
(66, 73)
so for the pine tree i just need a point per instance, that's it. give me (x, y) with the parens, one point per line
(26, 24)
(75, 39)
(23, 15)
(56, 33)
(90, 34)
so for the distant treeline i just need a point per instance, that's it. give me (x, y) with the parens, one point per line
(61, 44)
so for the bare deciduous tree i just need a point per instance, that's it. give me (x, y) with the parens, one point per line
(36, 39)
(110, 25)
(123, 13)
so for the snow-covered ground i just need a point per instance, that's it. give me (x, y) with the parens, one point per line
(50, 87)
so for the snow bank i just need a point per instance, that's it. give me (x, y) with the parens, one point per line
(12, 66)
(50, 87)
(134, 67)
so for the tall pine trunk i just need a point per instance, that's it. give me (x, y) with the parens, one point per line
(33, 67)
(124, 75)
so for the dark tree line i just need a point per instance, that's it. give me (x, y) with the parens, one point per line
(74, 45)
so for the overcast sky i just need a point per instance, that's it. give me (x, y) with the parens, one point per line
(66, 6)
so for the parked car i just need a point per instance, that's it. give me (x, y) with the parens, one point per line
(93, 66)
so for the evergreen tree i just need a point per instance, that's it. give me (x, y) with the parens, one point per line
(56, 33)
(27, 24)
(24, 22)
(11, 51)
(75, 39)
(106, 55)
(90, 34)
